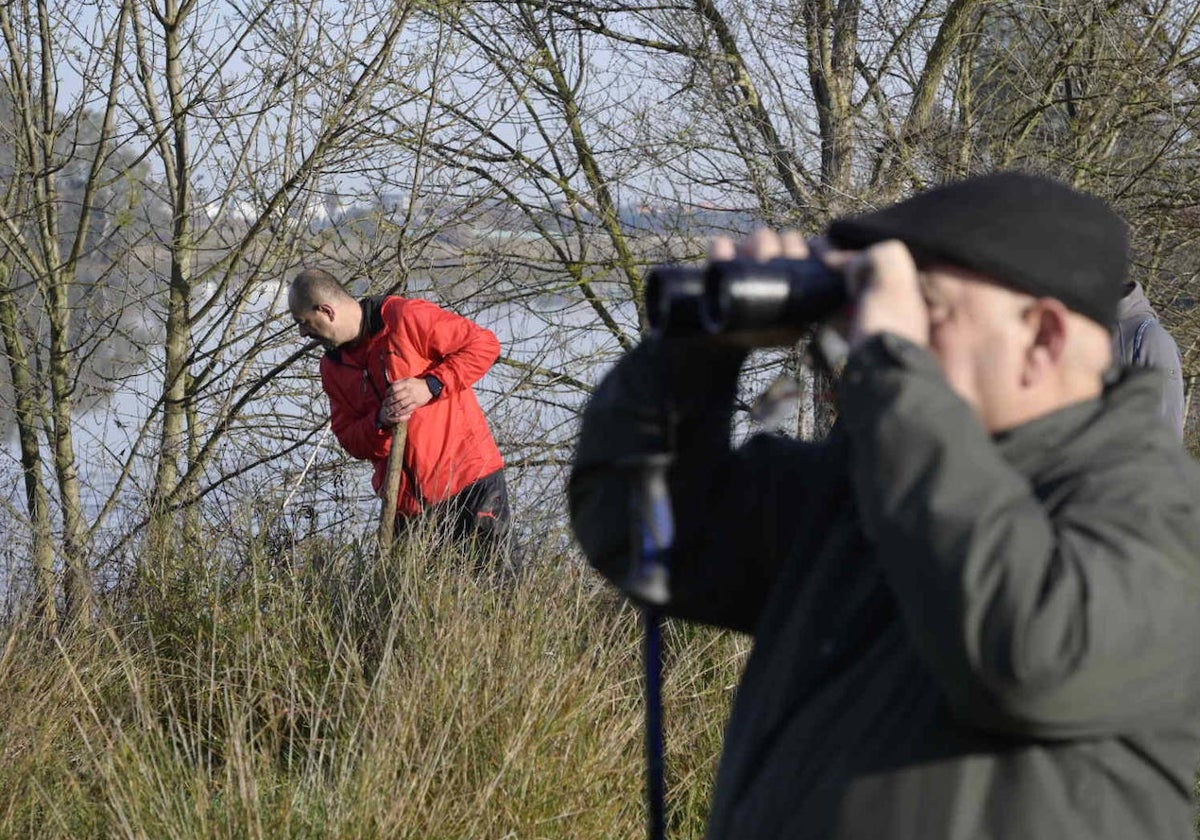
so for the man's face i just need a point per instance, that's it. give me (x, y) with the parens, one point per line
(316, 321)
(981, 334)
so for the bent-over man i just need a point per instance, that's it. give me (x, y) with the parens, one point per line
(973, 604)
(391, 360)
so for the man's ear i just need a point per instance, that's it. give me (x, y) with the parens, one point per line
(1049, 320)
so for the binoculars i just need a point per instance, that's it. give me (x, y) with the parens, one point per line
(759, 303)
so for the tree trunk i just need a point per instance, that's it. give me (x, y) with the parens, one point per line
(37, 497)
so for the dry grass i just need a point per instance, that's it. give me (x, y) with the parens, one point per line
(410, 700)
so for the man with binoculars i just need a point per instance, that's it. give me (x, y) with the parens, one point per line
(975, 603)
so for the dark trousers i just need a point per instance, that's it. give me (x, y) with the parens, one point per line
(480, 509)
(478, 513)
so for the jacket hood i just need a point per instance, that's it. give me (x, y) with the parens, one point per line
(1134, 305)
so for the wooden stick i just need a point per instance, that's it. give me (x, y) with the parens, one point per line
(391, 488)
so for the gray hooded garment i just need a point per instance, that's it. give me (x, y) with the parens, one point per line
(957, 637)
(1140, 340)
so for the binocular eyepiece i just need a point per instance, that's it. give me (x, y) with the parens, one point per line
(762, 303)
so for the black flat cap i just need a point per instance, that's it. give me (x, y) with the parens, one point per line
(1030, 233)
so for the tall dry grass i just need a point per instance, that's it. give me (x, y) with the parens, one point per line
(353, 699)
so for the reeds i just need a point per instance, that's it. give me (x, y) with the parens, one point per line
(351, 698)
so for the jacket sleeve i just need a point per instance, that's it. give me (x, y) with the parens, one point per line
(357, 432)
(461, 350)
(734, 510)
(1158, 350)
(1051, 620)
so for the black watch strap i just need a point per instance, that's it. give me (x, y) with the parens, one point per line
(435, 385)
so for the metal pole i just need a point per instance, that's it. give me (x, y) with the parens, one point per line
(656, 784)
(649, 579)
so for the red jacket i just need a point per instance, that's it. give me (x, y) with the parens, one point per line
(449, 443)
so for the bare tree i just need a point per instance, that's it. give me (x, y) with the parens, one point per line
(182, 89)
(522, 162)
(48, 256)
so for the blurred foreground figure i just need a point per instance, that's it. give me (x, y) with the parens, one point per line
(392, 360)
(975, 603)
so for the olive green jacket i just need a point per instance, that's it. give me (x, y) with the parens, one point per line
(957, 637)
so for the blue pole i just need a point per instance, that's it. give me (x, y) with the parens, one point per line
(649, 580)
(656, 786)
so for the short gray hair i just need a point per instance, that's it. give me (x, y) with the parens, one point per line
(314, 285)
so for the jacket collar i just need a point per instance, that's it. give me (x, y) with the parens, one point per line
(372, 310)
(1086, 430)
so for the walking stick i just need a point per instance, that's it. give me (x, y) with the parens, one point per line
(391, 488)
(649, 579)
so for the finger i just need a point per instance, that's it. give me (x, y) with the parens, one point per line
(721, 249)
(890, 259)
(763, 244)
(793, 245)
(838, 260)
(893, 260)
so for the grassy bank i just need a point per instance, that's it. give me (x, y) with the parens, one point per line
(351, 699)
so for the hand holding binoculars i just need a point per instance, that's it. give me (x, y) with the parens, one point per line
(747, 302)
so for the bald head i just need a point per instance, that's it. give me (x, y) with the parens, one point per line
(316, 286)
(323, 309)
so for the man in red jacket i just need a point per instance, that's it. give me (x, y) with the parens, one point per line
(390, 360)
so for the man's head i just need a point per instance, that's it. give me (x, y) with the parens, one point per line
(1011, 355)
(323, 310)
(1021, 276)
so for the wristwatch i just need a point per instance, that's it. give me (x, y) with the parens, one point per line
(435, 386)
